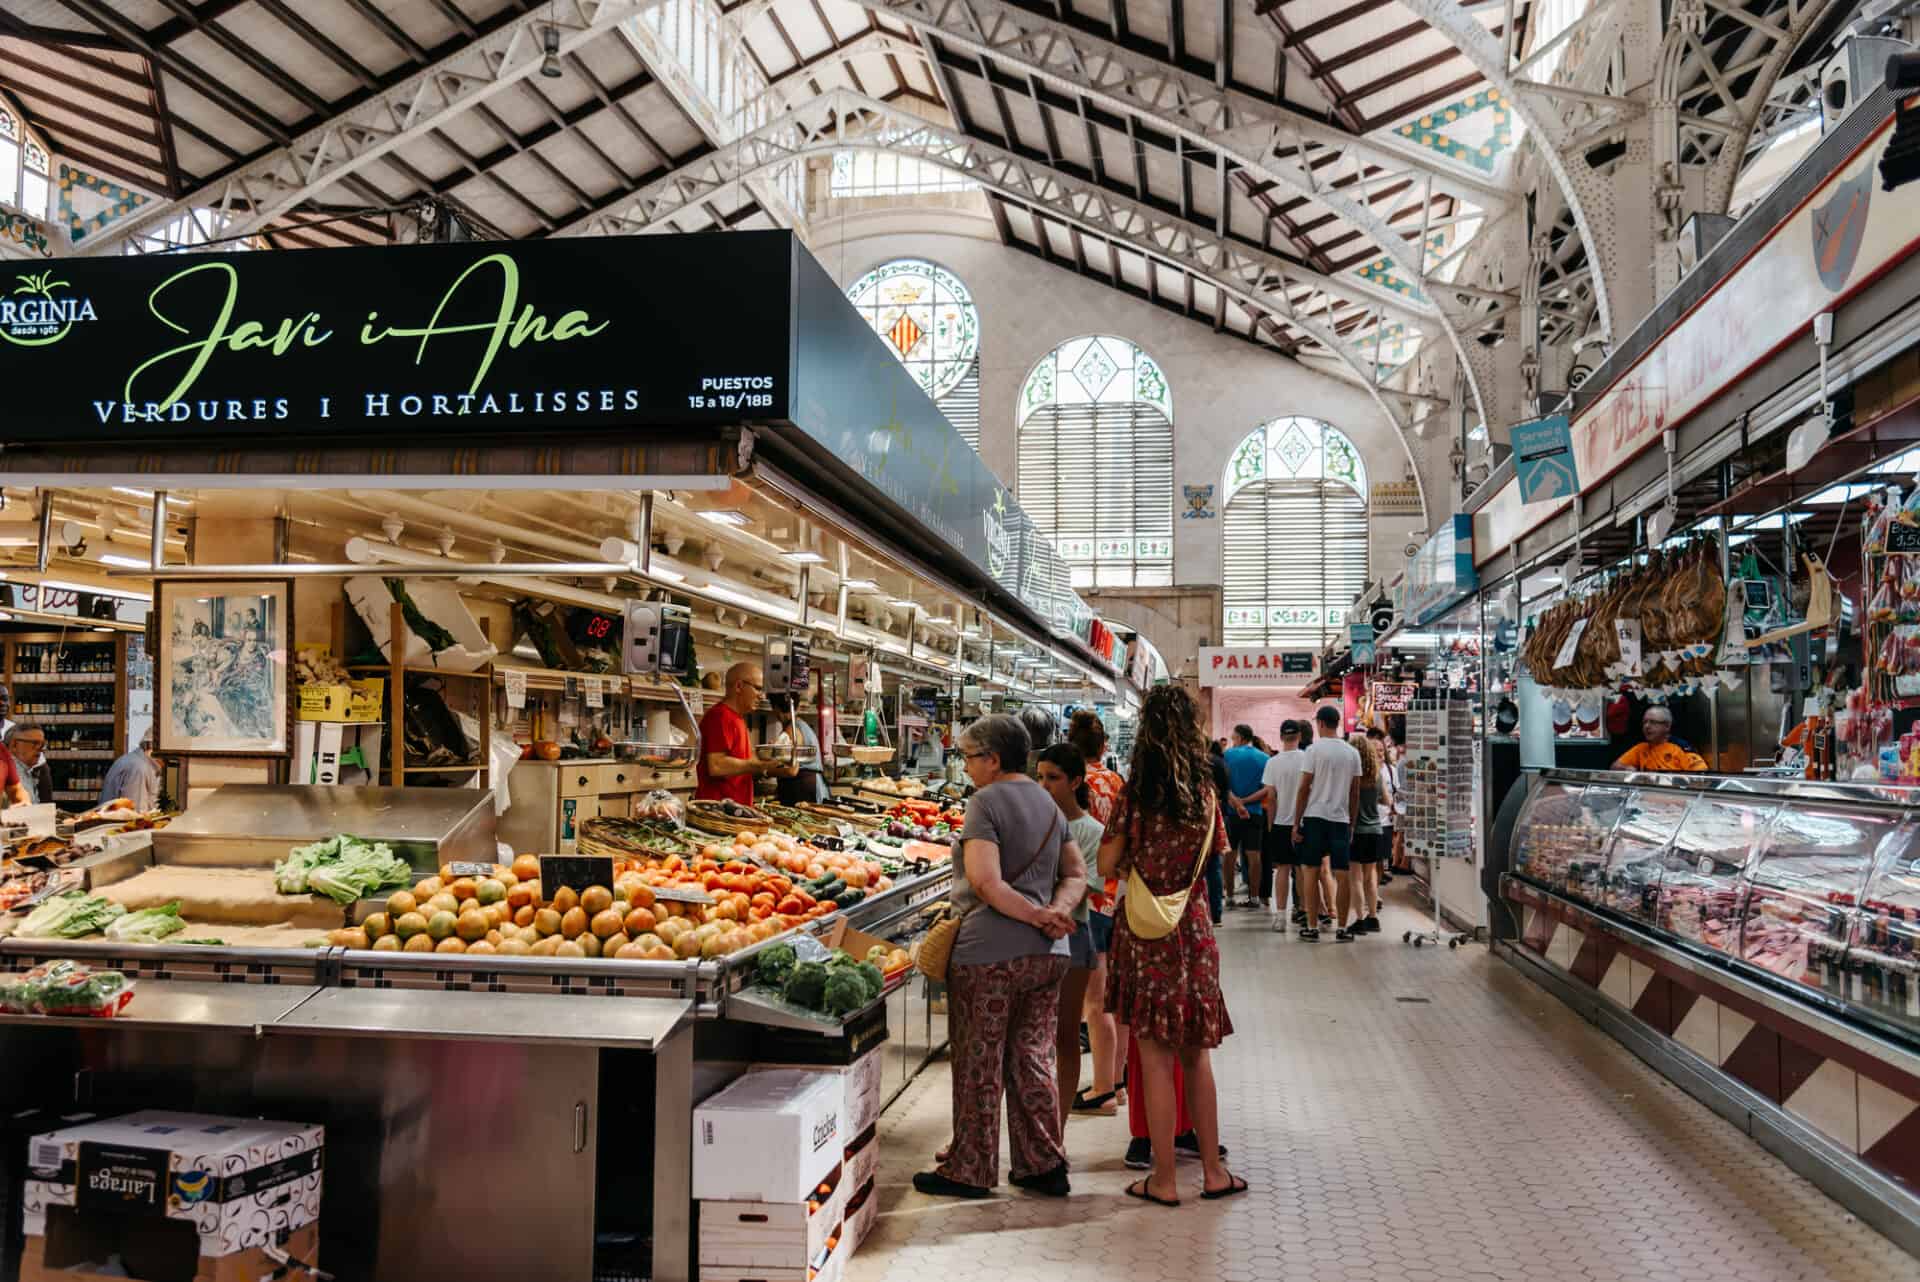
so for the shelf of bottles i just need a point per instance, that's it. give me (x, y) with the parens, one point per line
(76, 690)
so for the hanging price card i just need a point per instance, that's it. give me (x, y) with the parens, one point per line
(516, 688)
(595, 697)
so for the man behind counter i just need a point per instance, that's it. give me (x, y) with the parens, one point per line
(727, 765)
(1659, 753)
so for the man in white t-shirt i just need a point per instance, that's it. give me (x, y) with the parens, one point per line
(1324, 804)
(1279, 781)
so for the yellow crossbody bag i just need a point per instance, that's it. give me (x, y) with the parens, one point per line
(1151, 916)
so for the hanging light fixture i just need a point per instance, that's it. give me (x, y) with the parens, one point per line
(550, 65)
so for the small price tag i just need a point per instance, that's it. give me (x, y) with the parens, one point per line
(516, 688)
(595, 699)
(570, 713)
(471, 870)
(1570, 645)
(1628, 631)
(679, 894)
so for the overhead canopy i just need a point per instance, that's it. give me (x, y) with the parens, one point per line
(634, 343)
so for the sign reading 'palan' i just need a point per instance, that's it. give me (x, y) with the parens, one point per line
(483, 338)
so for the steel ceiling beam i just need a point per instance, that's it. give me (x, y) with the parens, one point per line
(1269, 141)
(1488, 56)
(843, 120)
(254, 195)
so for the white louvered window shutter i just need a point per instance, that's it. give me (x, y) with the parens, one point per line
(1294, 539)
(1096, 470)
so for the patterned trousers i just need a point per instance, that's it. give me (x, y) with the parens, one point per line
(1002, 1019)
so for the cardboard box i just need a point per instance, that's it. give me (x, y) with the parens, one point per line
(357, 701)
(233, 1183)
(37, 1262)
(863, 1213)
(787, 1236)
(860, 1084)
(863, 1157)
(769, 1137)
(830, 1266)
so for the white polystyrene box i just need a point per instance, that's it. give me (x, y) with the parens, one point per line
(769, 1137)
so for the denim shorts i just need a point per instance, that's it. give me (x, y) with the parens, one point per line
(1080, 952)
(1100, 926)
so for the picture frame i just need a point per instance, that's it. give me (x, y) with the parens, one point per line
(223, 670)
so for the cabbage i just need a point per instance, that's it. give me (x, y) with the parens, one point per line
(148, 926)
(342, 868)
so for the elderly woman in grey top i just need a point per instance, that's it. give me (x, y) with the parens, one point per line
(1024, 877)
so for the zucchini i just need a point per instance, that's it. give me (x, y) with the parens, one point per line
(849, 897)
(832, 890)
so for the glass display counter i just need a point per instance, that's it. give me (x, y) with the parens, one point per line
(1804, 888)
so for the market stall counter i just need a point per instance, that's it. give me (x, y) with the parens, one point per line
(570, 1074)
(1756, 940)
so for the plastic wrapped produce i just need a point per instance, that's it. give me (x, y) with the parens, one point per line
(66, 987)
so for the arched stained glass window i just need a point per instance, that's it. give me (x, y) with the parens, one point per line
(1096, 461)
(926, 317)
(1294, 530)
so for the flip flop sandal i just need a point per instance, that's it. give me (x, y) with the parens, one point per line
(1138, 1189)
(1235, 1187)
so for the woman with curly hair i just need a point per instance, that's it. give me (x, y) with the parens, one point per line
(1168, 988)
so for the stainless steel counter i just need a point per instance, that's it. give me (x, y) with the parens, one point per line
(159, 1003)
(403, 1014)
(254, 825)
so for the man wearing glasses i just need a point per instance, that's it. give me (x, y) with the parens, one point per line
(727, 765)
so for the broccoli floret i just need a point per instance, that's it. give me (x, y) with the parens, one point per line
(806, 985)
(875, 978)
(841, 957)
(845, 992)
(774, 965)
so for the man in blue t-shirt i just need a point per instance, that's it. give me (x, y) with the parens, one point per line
(1246, 821)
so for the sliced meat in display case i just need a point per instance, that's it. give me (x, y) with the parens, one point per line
(1703, 891)
(1806, 883)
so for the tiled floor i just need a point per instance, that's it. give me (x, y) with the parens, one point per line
(1485, 1133)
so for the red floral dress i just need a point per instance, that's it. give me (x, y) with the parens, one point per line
(1168, 990)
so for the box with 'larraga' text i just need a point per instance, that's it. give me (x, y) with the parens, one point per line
(235, 1183)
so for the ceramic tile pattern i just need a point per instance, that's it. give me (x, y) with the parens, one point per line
(1488, 1133)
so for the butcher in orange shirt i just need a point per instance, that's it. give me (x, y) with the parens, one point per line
(1659, 753)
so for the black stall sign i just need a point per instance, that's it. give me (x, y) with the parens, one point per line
(470, 338)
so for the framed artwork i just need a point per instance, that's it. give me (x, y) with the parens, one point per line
(223, 683)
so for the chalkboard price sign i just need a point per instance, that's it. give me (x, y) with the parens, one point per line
(575, 871)
(1903, 538)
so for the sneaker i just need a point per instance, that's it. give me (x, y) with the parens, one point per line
(1344, 936)
(1326, 919)
(1299, 917)
(1187, 1144)
(1139, 1155)
(1371, 925)
(1309, 934)
(1052, 1183)
(1279, 925)
(1386, 878)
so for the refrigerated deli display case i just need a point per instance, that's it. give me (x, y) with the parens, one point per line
(1765, 927)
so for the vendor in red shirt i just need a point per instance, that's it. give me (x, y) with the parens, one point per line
(727, 764)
